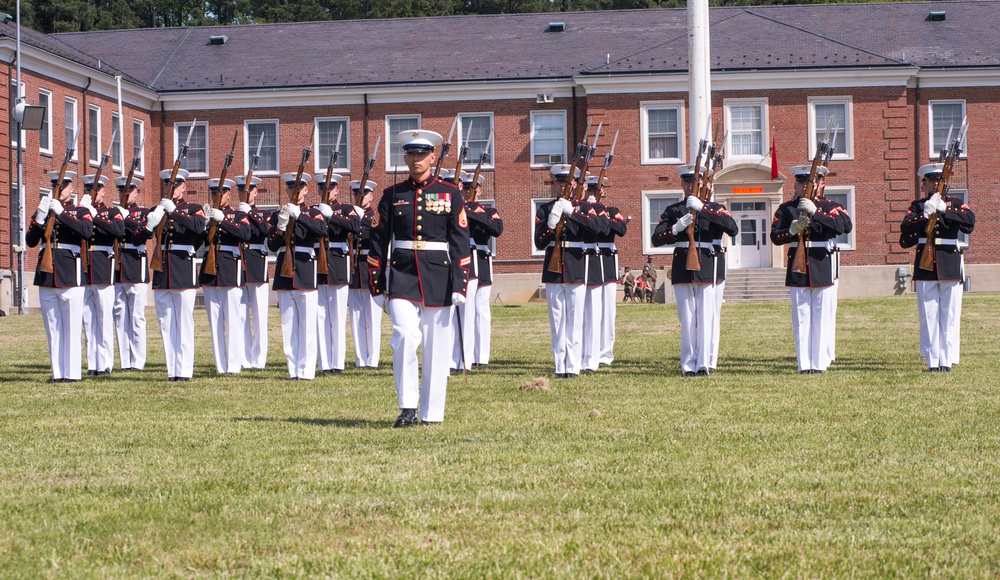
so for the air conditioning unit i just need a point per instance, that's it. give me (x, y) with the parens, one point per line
(545, 98)
(554, 159)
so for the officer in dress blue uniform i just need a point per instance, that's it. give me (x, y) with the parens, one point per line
(60, 292)
(694, 290)
(464, 317)
(99, 293)
(366, 311)
(821, 221)
(224, 290)
(593, 302)
(297, 297)
(255, 288)
(343, 222)
(419, 259)
(484, 224)
(566, 291)
(939, 291)
(617, 227)
(175, 286)
(132, 281)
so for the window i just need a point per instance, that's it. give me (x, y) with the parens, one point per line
(45, 135)
(662, 132)
(196, 160)
(138, 145)
(840, 109)
(548, 138)
(845, 197)
(962, 194)
(746, 119)
(116, 143)
(71, 125)
(946, 117)
(653, 205)
(94, 135)
(326, 139)
(393, 125)
(268, 162)
(13, 99)
(493, 241)
(475, 130)
(535, 204)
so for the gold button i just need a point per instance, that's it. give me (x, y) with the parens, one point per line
(420, 207)
(394, 262)
(446, 262)
(420, 217)
(419, 191)
(420, 237)
(420, 228)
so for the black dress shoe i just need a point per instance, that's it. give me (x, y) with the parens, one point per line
(171, 379)
(571, 375)
(182, 379)
(407, 418)
(816, 372)
(589, 372)
(945, 369)
(560, 375)
(689, 373)
(91, 373)
(702, 372)
(934, 369)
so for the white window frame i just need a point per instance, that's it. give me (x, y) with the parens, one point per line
(644, 108)
(180, 133)
(848, 191)
(98, 150)
(815, 125)
(320, 162)
(531, 138)
(71, 127)
(391, 145)
(24, 134)
(121, 139)
(765, 143)
(493, 240)
(141, 169)
(48, 120)
(472, 160)
(536, 202)
(277, 146)
(935, 148)
(963, 194)
(647, 219)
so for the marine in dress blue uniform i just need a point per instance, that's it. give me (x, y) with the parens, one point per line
(608, 251)
(464, 317)
(132, 281)
(366, 311)
(485, 224)
(939, 291)
(593, 302)
(256, 290)
(99, 292)
(419, 259)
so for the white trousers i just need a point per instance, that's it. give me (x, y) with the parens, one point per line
(99, 326)
(717, 292)
(298, 331)
(566, 303)
(464, 348)
(254, 315)
(366, 327)
(484, 326)
(696, 313)
(225, 326)
(608, 318)
(332, 326)
(593, 324)
(130, 323)
(415, 325)
(175, 311)
(939, 305)
(832, 315)
(813, 326)
(62, 314)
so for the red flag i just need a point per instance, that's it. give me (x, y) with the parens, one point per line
(774, 159)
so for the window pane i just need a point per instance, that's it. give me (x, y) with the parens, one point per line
(269, 150)
(326, 135)
(843, 199)
(663, 137)
(137, 144)
(116, 146)
(93, 130)
(476, 132)
(548, 136)
(946, 116)
(839, 113)
(745, 133)
(44, 142)
(396, 125)
(657, 205)
(70, 115)
(196, 160)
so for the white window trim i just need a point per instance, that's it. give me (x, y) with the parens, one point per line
(531, 137)
(765, 125)
(535, 203)
(647, 231)
(343, 166)
(76, 121)
(840, 153)
(493, 240)
(388, 141)
(21, 93)
(100, 150)
(141, 169)
(277, 146)
(849, 190)
(644, 107)
(471, 163)
(180, 133)
(121, 142)
(48, 120)
(935, 148)
(965, 198)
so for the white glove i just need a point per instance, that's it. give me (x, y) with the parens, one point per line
(457, 299)
(122, 210)
(326, 210)
(682, 224)
(359, 210)
(567, 206)
(86, 200)
(591, 199)
(694, 204)
(554, 216)
(216, 214)
(154, 218)
(167, 205)
(807, 206)
(799, 225)
(56, 206)
(283, 218)
(43, 210)
(244, 207)
(934, 205)
(293, 210)
(90, 208)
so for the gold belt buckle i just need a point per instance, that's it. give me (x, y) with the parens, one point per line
(419, 245)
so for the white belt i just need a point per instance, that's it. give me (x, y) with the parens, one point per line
(298, 250)
(179, 248)
(826, 245)
(234, 250)
(702, 245)
(420, 245)
(481, 248)
(141, 249)
(940, 242)
(342, 246)
(576, 245)
(607, 246)
(75, 248)
(258, 247)
(107, 249)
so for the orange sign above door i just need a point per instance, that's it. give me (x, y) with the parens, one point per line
(745, 190)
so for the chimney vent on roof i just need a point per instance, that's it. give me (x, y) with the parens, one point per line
(557, 27)
(218, 39)
(936, 16)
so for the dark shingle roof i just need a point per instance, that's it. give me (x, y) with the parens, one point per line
(518, 46)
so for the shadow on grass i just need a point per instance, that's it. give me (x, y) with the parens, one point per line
(343, 423)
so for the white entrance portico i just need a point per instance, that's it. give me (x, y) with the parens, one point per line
(752, 197)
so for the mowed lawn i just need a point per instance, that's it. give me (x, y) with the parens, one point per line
(874, 468)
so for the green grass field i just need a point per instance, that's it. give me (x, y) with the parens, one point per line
(874, 468)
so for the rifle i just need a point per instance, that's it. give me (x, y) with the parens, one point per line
(322, 262)
(951, 152)
(581, 184)
(288, 266)
(352, 241)
(253, 165)
(123, 198)
(604, 169)
(462, 152)
(156, 262)
(45, 262)
(95, 186)
(718, 154)
(799, 261)
(693, 262)
(826, 159)
(444, 149)
(479, 167)
(555, 263)
(209, 266)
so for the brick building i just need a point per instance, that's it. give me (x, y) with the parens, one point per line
(895, 76)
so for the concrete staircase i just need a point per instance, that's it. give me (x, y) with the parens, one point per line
(756, 285)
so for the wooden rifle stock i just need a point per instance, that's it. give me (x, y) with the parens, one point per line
(156, 260)
(354, 242)
(583, 155)
(799, 258)
(123, 197)
(288, 265)
(209, 267)
(45, 260)
(954, 150)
